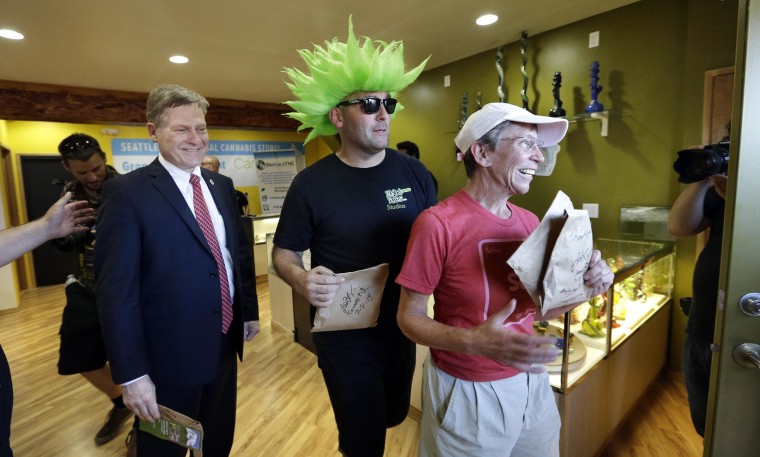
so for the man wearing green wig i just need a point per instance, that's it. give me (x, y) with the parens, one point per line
(354, 210)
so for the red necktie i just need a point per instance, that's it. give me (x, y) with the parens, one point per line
(204, 220)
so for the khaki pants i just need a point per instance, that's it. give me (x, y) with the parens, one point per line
(513, 417)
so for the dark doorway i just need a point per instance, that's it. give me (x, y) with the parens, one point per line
(43, 178)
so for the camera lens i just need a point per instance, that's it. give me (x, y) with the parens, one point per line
(694, 165)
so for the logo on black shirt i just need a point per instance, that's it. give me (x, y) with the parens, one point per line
(396, 197)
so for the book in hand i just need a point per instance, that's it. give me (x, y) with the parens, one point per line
(177, 428)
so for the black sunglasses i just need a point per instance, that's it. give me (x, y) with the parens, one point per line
(71, 146)
(371, 105)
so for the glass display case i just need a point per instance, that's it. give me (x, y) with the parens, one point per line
(642, 286)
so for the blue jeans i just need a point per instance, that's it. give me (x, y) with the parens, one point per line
(695, 365)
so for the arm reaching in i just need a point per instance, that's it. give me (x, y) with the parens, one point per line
(318, 285)
(490, 339)
(60, 220)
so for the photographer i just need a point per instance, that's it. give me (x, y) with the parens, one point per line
(82, 349)
(700, 206)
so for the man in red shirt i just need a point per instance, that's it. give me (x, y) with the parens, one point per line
(482, 393)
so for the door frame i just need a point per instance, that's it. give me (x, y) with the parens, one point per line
(733, 403)
(24, 271)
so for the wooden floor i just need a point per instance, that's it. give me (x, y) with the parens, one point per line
(283, 408)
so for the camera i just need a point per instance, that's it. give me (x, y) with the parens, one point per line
(694, 165)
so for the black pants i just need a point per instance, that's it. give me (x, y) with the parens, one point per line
(212, 404)
(6, 406)
(82, 347)
(368, 375)
(695, 366)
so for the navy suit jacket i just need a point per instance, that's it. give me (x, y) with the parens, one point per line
(157, 287)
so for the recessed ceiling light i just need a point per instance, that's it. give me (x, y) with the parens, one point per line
(487, 19)
(11, 34)
(179, 59)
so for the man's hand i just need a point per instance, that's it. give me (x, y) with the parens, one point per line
(250, 329)
(140, 397)
(719, 182)
(64, 218)
(496, 341)
(599, 276)
(319, 285)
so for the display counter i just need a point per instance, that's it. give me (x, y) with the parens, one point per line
(617, 344)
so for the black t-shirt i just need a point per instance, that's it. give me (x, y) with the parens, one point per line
(701, 324)
(355, 218)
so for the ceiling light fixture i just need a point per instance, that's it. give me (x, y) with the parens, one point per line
(179, 59)
(11, 34)
(487, 19)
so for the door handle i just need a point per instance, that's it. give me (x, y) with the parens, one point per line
(747, 355)
(750, 304)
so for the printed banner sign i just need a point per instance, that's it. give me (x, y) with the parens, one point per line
(246, 162)
(275, 171)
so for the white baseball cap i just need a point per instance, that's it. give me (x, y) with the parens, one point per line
(551, 130)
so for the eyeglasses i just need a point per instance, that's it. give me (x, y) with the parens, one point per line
(371, 105)
(71, 146)
(525, 142)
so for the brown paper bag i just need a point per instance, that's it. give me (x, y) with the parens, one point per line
(357, 303)
(551, 261)
(569, 260)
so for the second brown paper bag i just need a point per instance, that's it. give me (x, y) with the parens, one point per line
(552, 261)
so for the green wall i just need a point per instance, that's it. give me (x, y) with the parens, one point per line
(652, 54)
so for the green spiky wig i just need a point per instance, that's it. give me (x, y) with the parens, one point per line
(341, 69)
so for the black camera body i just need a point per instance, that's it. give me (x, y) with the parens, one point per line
(694, 165)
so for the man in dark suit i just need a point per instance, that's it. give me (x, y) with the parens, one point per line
(175, 279)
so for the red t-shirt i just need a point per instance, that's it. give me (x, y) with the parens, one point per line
(458, 252)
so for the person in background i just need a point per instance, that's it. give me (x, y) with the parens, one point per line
(82, 349)
(353, 209)
(175, 285)
(411, 149)
(700, 206)
(484, 390)
(211, 163)
(62, 219)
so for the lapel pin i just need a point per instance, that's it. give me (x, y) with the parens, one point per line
(211, 181)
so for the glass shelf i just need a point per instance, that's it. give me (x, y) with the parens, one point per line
(603, 116)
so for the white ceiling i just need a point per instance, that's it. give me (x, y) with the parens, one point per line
(237, 48)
